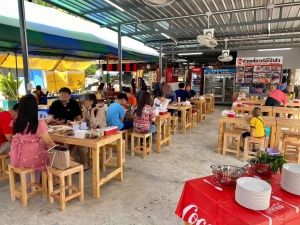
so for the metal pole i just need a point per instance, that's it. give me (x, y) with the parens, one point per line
(24, 45)
(160, 63)
(17, 73)
(120, 55)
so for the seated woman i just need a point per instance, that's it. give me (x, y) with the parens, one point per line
(160, 102)
(31, 139)
(92, 113)
(94, 116)
(144, 115)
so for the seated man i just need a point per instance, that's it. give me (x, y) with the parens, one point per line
(182, 93)
(65, 109)
(116, 113)
(191, 92)
(6, 119)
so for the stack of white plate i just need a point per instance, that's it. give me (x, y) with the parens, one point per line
(290, 179)
(253, 193)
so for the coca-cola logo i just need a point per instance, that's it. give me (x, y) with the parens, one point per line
(193, 217)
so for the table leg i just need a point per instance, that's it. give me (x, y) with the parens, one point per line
(119, 158)
(169, 129)
(277, 137)
(183, 120)
(96, 173)
(158, 135)
(220, 137)
(190, 114)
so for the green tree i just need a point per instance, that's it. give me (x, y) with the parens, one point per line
(91, 70)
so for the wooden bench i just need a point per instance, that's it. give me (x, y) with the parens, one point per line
(27, 188)
(71, 190)
(141, 148)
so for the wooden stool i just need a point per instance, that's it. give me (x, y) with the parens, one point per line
(174, 124)
(291, 149)
(236, 142)
(144, 148)
(108, 158)
(125, 135)
(22, 191)
(194, 119)
(73, 191)
(249, 153)
(3, 166)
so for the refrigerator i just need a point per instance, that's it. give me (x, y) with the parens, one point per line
(196, 80)
(221, 83)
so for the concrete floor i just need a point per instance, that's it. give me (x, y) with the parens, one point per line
(148, 195)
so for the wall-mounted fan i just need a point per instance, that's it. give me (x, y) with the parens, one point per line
(158, 3)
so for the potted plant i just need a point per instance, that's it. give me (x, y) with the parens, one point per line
(9, 88)
(266, 164)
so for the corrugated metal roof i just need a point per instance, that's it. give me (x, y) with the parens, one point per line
(184, 20)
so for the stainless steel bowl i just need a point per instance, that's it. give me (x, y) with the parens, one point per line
(227, 175)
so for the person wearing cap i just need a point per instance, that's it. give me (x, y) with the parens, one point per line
(276, 97)
(65, 109)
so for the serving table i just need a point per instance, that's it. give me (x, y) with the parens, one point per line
(97, 146)
(186, 115)
(163, 134)
(201, 203)
(244, 121)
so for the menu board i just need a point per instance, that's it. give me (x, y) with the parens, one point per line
(259, 70)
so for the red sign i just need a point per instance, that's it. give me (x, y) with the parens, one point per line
(202, 204)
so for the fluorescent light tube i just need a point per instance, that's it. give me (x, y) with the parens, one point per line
(191, 53)
(274, 49)
(156, 29)
(114, 5)
(167, 36)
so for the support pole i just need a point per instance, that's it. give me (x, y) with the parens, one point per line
(17, 73)
(160, 63)
(23, 36)
(120, 55)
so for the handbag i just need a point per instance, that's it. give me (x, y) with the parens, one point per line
(59, 157)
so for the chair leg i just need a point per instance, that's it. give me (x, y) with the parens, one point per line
(50, 186)
(246, 149)
(12, 183)
(81, 184)
(62, 193)
(144, 147)
(69, 179)
(24, 190)
(32, 181)
(238, 144)
(225, 144)
(103, 158)
(44, 184)
(132, 145)
(150, 144)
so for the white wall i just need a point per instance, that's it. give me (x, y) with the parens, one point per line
(291, 58)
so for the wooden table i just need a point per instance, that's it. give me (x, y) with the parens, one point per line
(286, 112)
(186, 115)
(268, 121)
(200, 106)
(163, 134)
(96, 146)
(293, 104)
(288, 124)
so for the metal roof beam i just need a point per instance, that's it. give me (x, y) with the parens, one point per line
(222, 26)
(213, 13)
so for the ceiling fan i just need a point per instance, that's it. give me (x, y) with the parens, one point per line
(207, 39)
(158, 3)
(225, 57)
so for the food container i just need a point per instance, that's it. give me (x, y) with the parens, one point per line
(110, 130)
(80, 134)
(227, 175)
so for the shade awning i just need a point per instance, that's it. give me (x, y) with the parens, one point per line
(50, 32)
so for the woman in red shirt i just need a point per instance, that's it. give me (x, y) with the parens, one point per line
(144, 115)
(276, 97)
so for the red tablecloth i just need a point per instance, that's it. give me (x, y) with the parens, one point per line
(202, 204)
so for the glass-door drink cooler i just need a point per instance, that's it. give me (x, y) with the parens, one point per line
(221, 83)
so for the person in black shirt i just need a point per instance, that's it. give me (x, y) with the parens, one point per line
(65, 109)
(191, 92)
(182, 93)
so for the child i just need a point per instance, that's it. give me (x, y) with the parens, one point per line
(257, 126)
